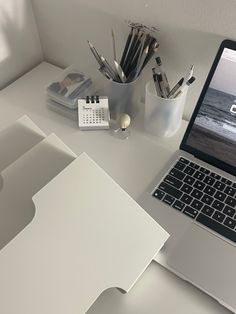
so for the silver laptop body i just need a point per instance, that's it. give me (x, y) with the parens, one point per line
(200, 213)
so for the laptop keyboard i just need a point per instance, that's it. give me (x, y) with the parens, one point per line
(201, 195)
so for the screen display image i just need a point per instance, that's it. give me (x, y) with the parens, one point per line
(214, 129)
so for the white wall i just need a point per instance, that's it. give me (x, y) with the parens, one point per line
(20, 48)
(190, 32)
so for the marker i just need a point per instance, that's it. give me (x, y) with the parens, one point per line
(188, 83)
(166, 83)
(156, 82)
(175, 88)
(161, 85)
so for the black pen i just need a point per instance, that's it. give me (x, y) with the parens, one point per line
(159, 64)
(126, 47)
(186, 85)
(175, 88)
(161, 85)
(156, 82)
(152, 51)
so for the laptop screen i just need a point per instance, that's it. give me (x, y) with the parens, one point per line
(213, 131)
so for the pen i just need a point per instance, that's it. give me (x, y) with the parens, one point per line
(124, 65)
(186, 85)
(141, 61)
(190, 72)
(103, 71)
(132, 62)
(109, 70)
(151, 52)
(120, 72)
(113, 44)
(95, 53)
(161, 85)
(141, 48)
(126, 47)
(166, 83)
(156, 82)
(175, 88)
(128, 58)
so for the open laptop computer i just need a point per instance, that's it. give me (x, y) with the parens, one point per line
(194, 196)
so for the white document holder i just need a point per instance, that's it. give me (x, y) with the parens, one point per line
(87, 235)
(25, 177)
(17, 139)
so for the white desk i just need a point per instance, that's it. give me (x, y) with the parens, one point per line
(132, 163)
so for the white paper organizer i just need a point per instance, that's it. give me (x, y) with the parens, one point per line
(87, 235)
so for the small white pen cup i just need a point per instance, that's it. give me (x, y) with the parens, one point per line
(162, 115)
(123, 98)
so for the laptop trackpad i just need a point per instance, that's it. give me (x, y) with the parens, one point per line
(208, 262)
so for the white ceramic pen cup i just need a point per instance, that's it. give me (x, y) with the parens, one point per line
(123, 98)
(162, 115)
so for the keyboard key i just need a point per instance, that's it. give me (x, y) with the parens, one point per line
(184, 161)
(229, 211)
(177, 174)
(234, 185)
(189, 180)
(218, 216)
(196, 204)
(186, 188)
(199, 175)
(186, 199)
(209, 180)
(189, 170)
(199, 185)
(158, 194)
(168, 199)
(215, 176)
(230, 191)
(193, 165)
(170, 190)
(197, 194)
(180, 166)
(226, 181)
(207, 210)
(204, 170)
(207, 199)
(230, 201)
(189, 211)
(217, 227)
(209, 190)
(178, 205)
(218, 205)
(229, 222)
(173, 181)
(220, 196)
(219, 185)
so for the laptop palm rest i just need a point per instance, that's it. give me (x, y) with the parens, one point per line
(192, 261)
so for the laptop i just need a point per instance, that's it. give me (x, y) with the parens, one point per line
(194, 196)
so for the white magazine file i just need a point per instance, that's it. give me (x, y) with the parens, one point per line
(86, 234)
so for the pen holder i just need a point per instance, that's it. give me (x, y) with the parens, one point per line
(123, 98)
(162, 115)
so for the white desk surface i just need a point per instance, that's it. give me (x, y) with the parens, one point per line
(132, 163)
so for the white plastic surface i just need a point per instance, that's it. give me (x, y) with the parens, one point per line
(87, 235)
(17, 139)
(25, 177)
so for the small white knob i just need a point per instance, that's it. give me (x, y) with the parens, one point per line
(124, 121)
